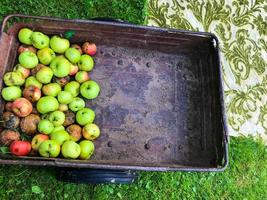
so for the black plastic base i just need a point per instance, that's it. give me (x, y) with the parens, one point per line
(95, 176)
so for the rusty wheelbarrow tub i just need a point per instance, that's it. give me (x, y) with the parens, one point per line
(161, 107)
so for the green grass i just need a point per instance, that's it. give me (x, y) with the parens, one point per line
(245, 178)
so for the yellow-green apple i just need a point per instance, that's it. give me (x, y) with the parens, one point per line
(44, 75)
(32, 93)
(73, 69)
(28, 59)
(36, 69)
(91, 131)
(37, 140)
(89, 48)
(10, 120)
(62, 81)
(45, 126)
(39, 40)
(60, 136)
(73, 55)
(86, 63)
(57, 118)
(22, 107)
(25, 72)
(46, 55)
(14, 78)
(82, 76)
(51, 89)
(75, 132)
(58, 44)
(47, 104)
(64, 97)
(20, 148)
(69, 118)
(24, 47)
(58, 128)
(73, 88)
(29, 124)
(32, 81)
(60, 66)
(78, 47)
(85, 116)
(90, 89)
(70, 149)
(63, 107)
(87, 149)
(7, 136)
(11, 93)
(76, 104)
(24, 36)
(49, 149)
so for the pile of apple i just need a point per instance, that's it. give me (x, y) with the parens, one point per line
(44, 97)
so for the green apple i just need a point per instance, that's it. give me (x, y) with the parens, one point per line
(60, 136)
(90, 89)
(73, 88)
(58, 128)
(39, 40)
(25, 72)
(28, 59)
(71, 149)
(64, 97)
(91, 131)
(85, 116)
(87, 149)
(14, 78)
(45, 126)
(32, 81)
(47, 104)
(82, 76)
(49, 149)
(57, 118)
(63, 107)
(51, 89)
(37, 140)
(73, 55)
(60, 66)
(25, 36)
(58, 44)
(44, 75)
(46, 55)
(86, 63)
(76, 104)
(11, 93)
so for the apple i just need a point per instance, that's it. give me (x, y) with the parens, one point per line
(62, 81)
(49, 149)
(36, 69)
(37, 140)
(58, 128)
(57, 118)
(85, 116)
(87, 149)
(11, 93)
(75, 132)
(91, 131)
(8, 136)
(32, 81)
(69, 118)
(14, 78)
(70, 149)
(29, 124)
(64, 97)
(46, 55)
(24, 36)
(82, 76)
(44, 75)
(20, 148)
(25, 72)
(73, 55)
(10, 120)
(45, 126)
(22, 107)
(58, 44)
(47, 104)
(60, 136)
(32, 93)
(76, 104)
(60, 66)
(73, 69)
(76, 46)
(51, 89)
(73, 88)
(8, 106)
(89, 48)
(39, 40)
(90, 89)
(86, 63)
(63, 107)
(24, 47)
(28, 59)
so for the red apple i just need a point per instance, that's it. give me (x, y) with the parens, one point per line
(37, 140)
(8, 106)
(78, 47)
(23, 48)
(32, 93)
(20, 148)
(22, 107)
(73, 69)
(89, 48)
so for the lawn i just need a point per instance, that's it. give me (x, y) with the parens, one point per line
(245, 178)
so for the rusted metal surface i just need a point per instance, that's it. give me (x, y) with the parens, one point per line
(160, 107)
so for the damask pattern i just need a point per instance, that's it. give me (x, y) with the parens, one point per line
(241, 26)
